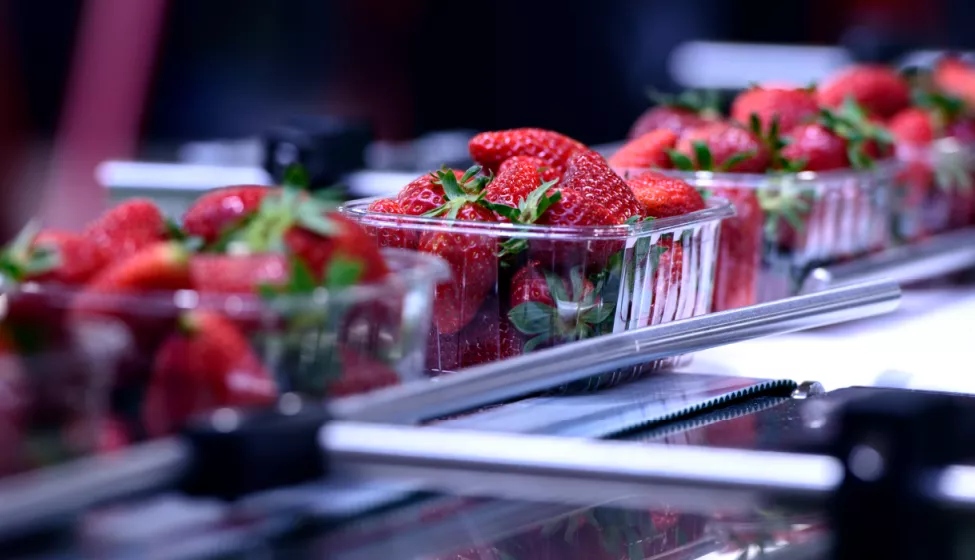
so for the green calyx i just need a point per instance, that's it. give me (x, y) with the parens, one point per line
(775, 143)
(341, 272)
(469, 190)
(575, 315)
(288, 207)
(704, 159)
(852, 124)
(528, 211)
(22, 259)
(706, 103)
(783, 205)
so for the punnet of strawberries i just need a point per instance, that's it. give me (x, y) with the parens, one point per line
(812, 170)
(548, 245)
(128, 328)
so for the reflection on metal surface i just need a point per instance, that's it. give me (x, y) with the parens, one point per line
(808, 389)
(539, 371)
(931, 258)
(541, 468)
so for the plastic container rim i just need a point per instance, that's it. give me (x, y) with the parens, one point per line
(885, 169)
(407, 269)
(716, 210)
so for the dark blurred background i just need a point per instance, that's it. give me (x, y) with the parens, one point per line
(184, 70)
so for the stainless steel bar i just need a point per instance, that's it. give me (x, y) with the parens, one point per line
(931, 258)
(577, 471)
(551, 368)
(36, 497)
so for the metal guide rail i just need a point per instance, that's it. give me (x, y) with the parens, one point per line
(501, 381)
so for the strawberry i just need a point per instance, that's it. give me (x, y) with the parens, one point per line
(290, 221)
(128, 228)
(739, 250)
(560, 207)
(392, 236)
(721, 146)
(240, 274)
(548, 173)
(663, 196)
(517, 178)
(790, 107)
(423, 194)
(50, 256)
(879, 89)
(205, 365)
(488, 338)
(664, 520)
(647, 151)
(956, 77)
(443, 352)
(913, 126)
(474, 267)
(550, 309)
(158, 267)
(814, 147)
(491, 149)
(590, 175)
(219, 210)
(472, 258)
(677, 114)
(360, 373)
(531, 283)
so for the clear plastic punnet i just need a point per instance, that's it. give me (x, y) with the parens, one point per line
(84, 372)
(934, 190)
(786, 224)
(517, 288)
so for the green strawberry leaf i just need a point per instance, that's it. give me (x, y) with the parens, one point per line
(469, 174)
(755, 125)
(680, 161)
(512, 246)
(302, 281)
(598, 314)
(532, 317)
(503, 210)
(654, 255)
(174, 230)
(343, 272)
(296, 178)
(578, 281)
(735, 160)
(703, 155)
(451, 187)
(311, 218)
(556, 287)
(535, 342)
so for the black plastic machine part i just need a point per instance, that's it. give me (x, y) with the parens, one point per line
(326, 147)
(893, 444)
(234, 453)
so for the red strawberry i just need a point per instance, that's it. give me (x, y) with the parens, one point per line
(647, 151)
(575, 209)
(731, 148)
(664, 520)
(392, 236)
(956, 77)
(346, 241)
(474, 267)
(879, 89)
(914, 126)
(790, 107)
(443, 352)
(531, 283)
(206, 365)
(491, 149)
(739, 250)
(516, 180)
(241, 274)
(674, 119)
(218, 210)
(423, 194)
(590, 175)
(551, 309)
(488, 338)
(663, 196)
(816, 148)
(689, 109)
(50, 256)
(161, 266)
(548, 172)
(128, 228)
(360, 374)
